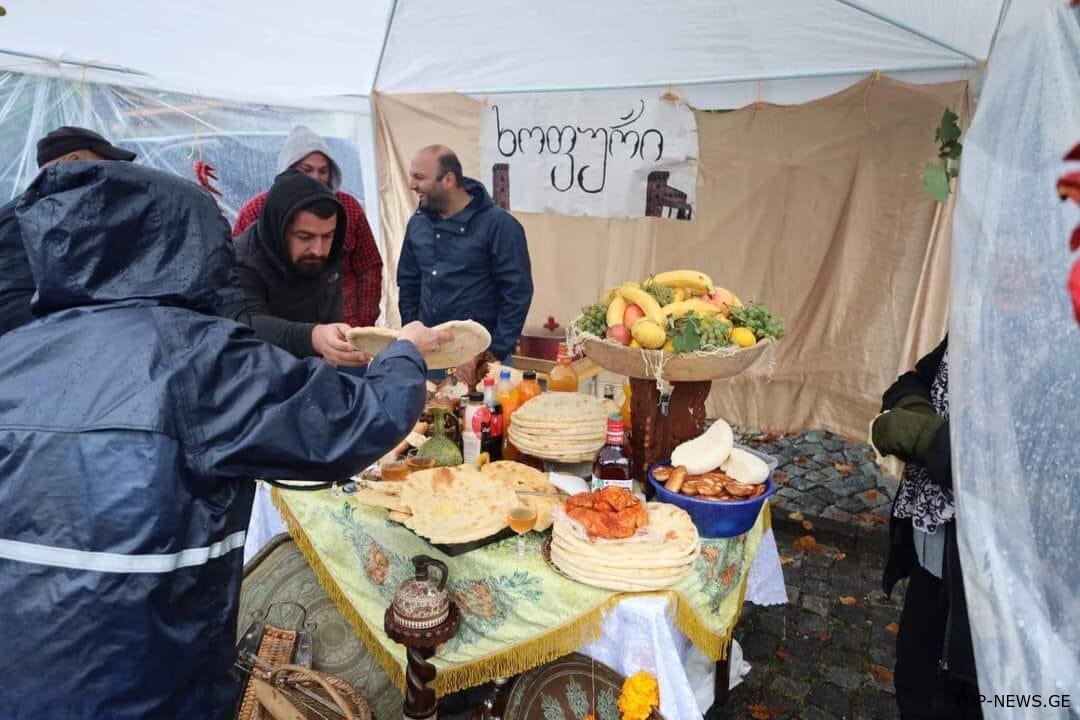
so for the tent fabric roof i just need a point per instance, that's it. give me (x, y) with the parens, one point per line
(324, 51)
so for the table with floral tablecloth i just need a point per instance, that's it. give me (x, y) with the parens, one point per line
(516, 613)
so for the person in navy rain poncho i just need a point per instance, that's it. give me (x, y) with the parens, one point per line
(132, 421)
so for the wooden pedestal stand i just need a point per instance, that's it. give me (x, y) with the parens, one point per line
(420, 700)
(653, 434)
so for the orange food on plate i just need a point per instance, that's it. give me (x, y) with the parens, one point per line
(612, 513)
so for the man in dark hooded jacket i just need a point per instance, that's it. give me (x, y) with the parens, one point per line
(65, 144)
(132, 421)
(290, 270)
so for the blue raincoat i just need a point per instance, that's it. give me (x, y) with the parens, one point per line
(131, 424)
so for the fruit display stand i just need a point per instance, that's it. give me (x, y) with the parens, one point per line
(668, 391)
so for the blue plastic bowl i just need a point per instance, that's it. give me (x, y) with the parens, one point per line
(715, 519)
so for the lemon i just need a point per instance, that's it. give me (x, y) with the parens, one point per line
(482, 459)
(635, 344)
(743, 337)
(668, 346)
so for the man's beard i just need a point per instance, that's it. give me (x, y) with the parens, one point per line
(310, 266)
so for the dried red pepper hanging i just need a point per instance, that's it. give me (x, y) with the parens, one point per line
(1068, 187)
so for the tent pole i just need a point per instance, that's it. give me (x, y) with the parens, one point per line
(930, 67)
(855, 5)
(76, 63)
(385, 41)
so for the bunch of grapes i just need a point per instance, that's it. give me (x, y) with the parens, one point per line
(758, 318)
(594, 319)
(661, 293)
(714, 333)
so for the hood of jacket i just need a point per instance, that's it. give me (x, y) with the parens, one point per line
(102, 232)
(291, 192)
(303, 141)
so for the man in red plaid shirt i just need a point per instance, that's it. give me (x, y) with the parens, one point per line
(361, 265)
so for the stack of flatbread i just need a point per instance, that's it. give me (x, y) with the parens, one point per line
(561, 426)
(462, 504)
(470, 339)
(657, 557)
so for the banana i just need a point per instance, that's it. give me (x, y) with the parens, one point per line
(634, 294)
(609, 295)
(615, 311)
(680, 294)
(685, 278)
(677, 309)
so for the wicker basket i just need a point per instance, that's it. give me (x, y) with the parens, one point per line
(348, 704)
(684, 367)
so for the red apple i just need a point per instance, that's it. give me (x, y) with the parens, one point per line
(619, 333)
(632, 315)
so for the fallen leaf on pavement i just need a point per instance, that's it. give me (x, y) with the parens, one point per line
(772, 437)
(880, 674)
(822, 635)
(779, 478)
(807, 525)
(781, 655)
(802, 459)
(848, 600)
(878, 518)
(786, 560)
(871, 495)
(807, 543)
(796, 516)
(839, 555)
(762, 712)
(893, 628)
(843, 468)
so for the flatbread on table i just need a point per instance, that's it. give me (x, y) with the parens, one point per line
(656, 557)
(456, 505)
(470, 339)
(519, 476)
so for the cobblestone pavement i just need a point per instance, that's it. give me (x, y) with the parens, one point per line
(823, 476)
(828, 653)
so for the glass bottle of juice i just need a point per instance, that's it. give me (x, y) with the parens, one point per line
(612, 464)
(562, 377)
(529, 388)
(506, 395)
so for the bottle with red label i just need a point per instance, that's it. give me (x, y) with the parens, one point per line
(477, 414)
(495, 438)
(612, 464)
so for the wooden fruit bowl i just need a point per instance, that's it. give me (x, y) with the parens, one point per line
(677, 367)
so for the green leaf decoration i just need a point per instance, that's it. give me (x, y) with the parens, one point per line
(935, 182)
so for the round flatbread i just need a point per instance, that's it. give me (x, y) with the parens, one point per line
(456, 505)
(470, 339)
(522, 477)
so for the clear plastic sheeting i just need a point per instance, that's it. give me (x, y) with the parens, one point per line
(171, 132)
(1015, 369)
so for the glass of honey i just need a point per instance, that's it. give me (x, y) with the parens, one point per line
(414, 463)
(521, 520)
(394, 470)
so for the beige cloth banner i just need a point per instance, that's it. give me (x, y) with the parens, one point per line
(815, 209)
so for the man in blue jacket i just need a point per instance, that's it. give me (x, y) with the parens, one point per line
(132, 421)
(463, 257)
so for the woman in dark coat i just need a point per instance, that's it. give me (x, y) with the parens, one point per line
(935, 663)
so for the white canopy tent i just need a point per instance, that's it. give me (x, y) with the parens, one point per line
(332, 55)
(171, 77)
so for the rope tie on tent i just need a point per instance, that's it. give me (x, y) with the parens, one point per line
(874, 78)
(195, 147)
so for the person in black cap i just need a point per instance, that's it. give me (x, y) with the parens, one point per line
(289, 270)
(65, 144)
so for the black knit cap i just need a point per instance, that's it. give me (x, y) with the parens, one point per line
(64, 140)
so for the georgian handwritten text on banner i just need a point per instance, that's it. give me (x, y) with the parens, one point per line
(604, 157)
